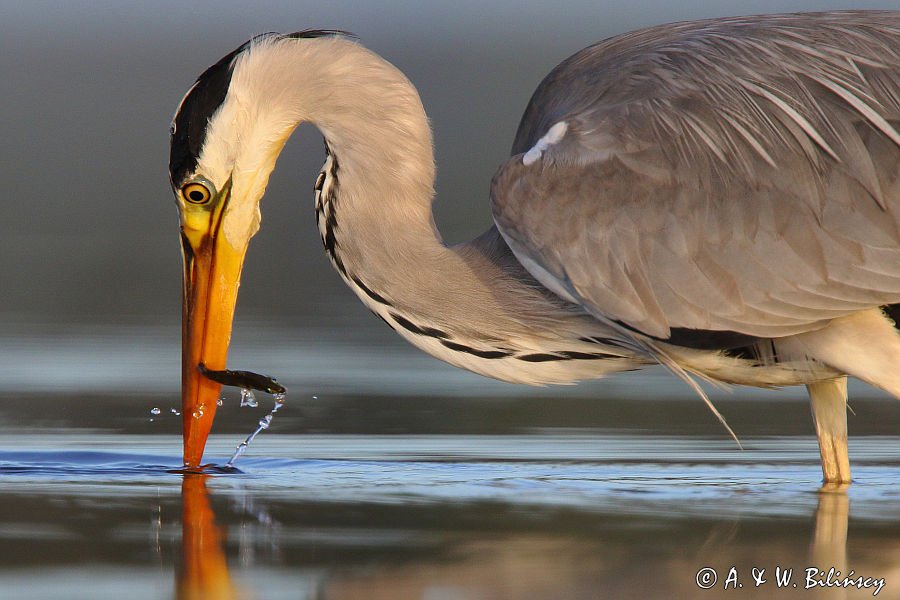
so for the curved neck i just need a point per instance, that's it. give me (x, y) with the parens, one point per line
(374, 126)
(472, 305)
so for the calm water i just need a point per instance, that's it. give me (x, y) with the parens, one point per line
(585, 515)
(331, 504)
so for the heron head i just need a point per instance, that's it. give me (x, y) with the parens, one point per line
(225, 139)
(219, 170)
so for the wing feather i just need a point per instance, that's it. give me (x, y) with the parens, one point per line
(729, 175)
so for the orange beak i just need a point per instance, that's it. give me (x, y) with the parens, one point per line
(212, 272)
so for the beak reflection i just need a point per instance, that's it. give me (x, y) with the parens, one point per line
(204, 569)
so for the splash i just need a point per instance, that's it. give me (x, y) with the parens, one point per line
(263, 424)
(248, 398)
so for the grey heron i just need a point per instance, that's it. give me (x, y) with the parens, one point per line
(720, 197)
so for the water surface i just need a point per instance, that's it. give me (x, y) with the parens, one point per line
(390, 475)
(565, 515)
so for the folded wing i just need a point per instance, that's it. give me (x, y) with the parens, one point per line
(736, 175)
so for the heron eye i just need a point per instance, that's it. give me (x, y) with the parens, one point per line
(196, 193)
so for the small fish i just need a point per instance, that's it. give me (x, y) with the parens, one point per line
(243, 379)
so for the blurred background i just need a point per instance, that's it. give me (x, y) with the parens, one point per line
(89, 253)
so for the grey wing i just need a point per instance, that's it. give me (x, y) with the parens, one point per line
(737, 175)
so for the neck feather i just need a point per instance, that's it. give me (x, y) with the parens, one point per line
(472, 305)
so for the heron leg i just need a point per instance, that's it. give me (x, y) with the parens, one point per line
(828, 400)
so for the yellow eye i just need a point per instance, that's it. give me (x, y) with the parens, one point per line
(196, 193)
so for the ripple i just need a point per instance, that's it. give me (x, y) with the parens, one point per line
(87, 463)
(650, 488)
(677, 477)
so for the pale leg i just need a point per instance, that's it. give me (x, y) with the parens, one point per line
(829, 409)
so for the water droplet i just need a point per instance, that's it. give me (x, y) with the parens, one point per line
(154, 411)
(238, 451)
(315, 398)
(197, 414)
(220, 402)
(248, 398)
(174, 411)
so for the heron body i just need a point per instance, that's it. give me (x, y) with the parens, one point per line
(720, 197)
